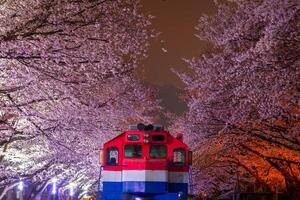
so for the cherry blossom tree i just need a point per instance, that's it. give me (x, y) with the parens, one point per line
(243, 97)
(67, 84)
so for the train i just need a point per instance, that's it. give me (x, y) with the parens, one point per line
(145, 162)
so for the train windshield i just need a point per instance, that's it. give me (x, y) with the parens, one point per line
(158, 151)
(133, 151)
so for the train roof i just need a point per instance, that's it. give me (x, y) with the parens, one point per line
(156, 128)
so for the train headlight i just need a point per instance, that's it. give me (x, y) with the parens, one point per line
(146, 141)
(146, 135)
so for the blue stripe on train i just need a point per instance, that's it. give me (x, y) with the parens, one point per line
(112, 191)
(116, 190)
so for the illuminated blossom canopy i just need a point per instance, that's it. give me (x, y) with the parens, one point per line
(243, 97)
(67, 84)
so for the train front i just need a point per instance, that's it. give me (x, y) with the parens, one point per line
(145, 162)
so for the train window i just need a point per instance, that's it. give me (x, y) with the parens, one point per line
(112, 156)
(179, 157)
(133, 137)
(158, 138)
(133, 151)
(158, 151)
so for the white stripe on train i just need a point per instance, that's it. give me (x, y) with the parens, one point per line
(145, 175)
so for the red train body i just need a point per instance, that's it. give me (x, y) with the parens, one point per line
(145, 162)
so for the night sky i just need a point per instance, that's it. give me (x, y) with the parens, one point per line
(175, 20)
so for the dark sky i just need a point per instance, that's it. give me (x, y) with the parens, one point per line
(175, 20)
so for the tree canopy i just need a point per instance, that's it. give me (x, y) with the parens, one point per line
(67, 84)
(243, 97)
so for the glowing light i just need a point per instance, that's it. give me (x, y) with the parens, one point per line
(71, 190)
(146, 135)
(180, 195)
(146, 141)
(21, 186)
(54, 186)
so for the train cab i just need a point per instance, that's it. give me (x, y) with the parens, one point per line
(145, 162)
